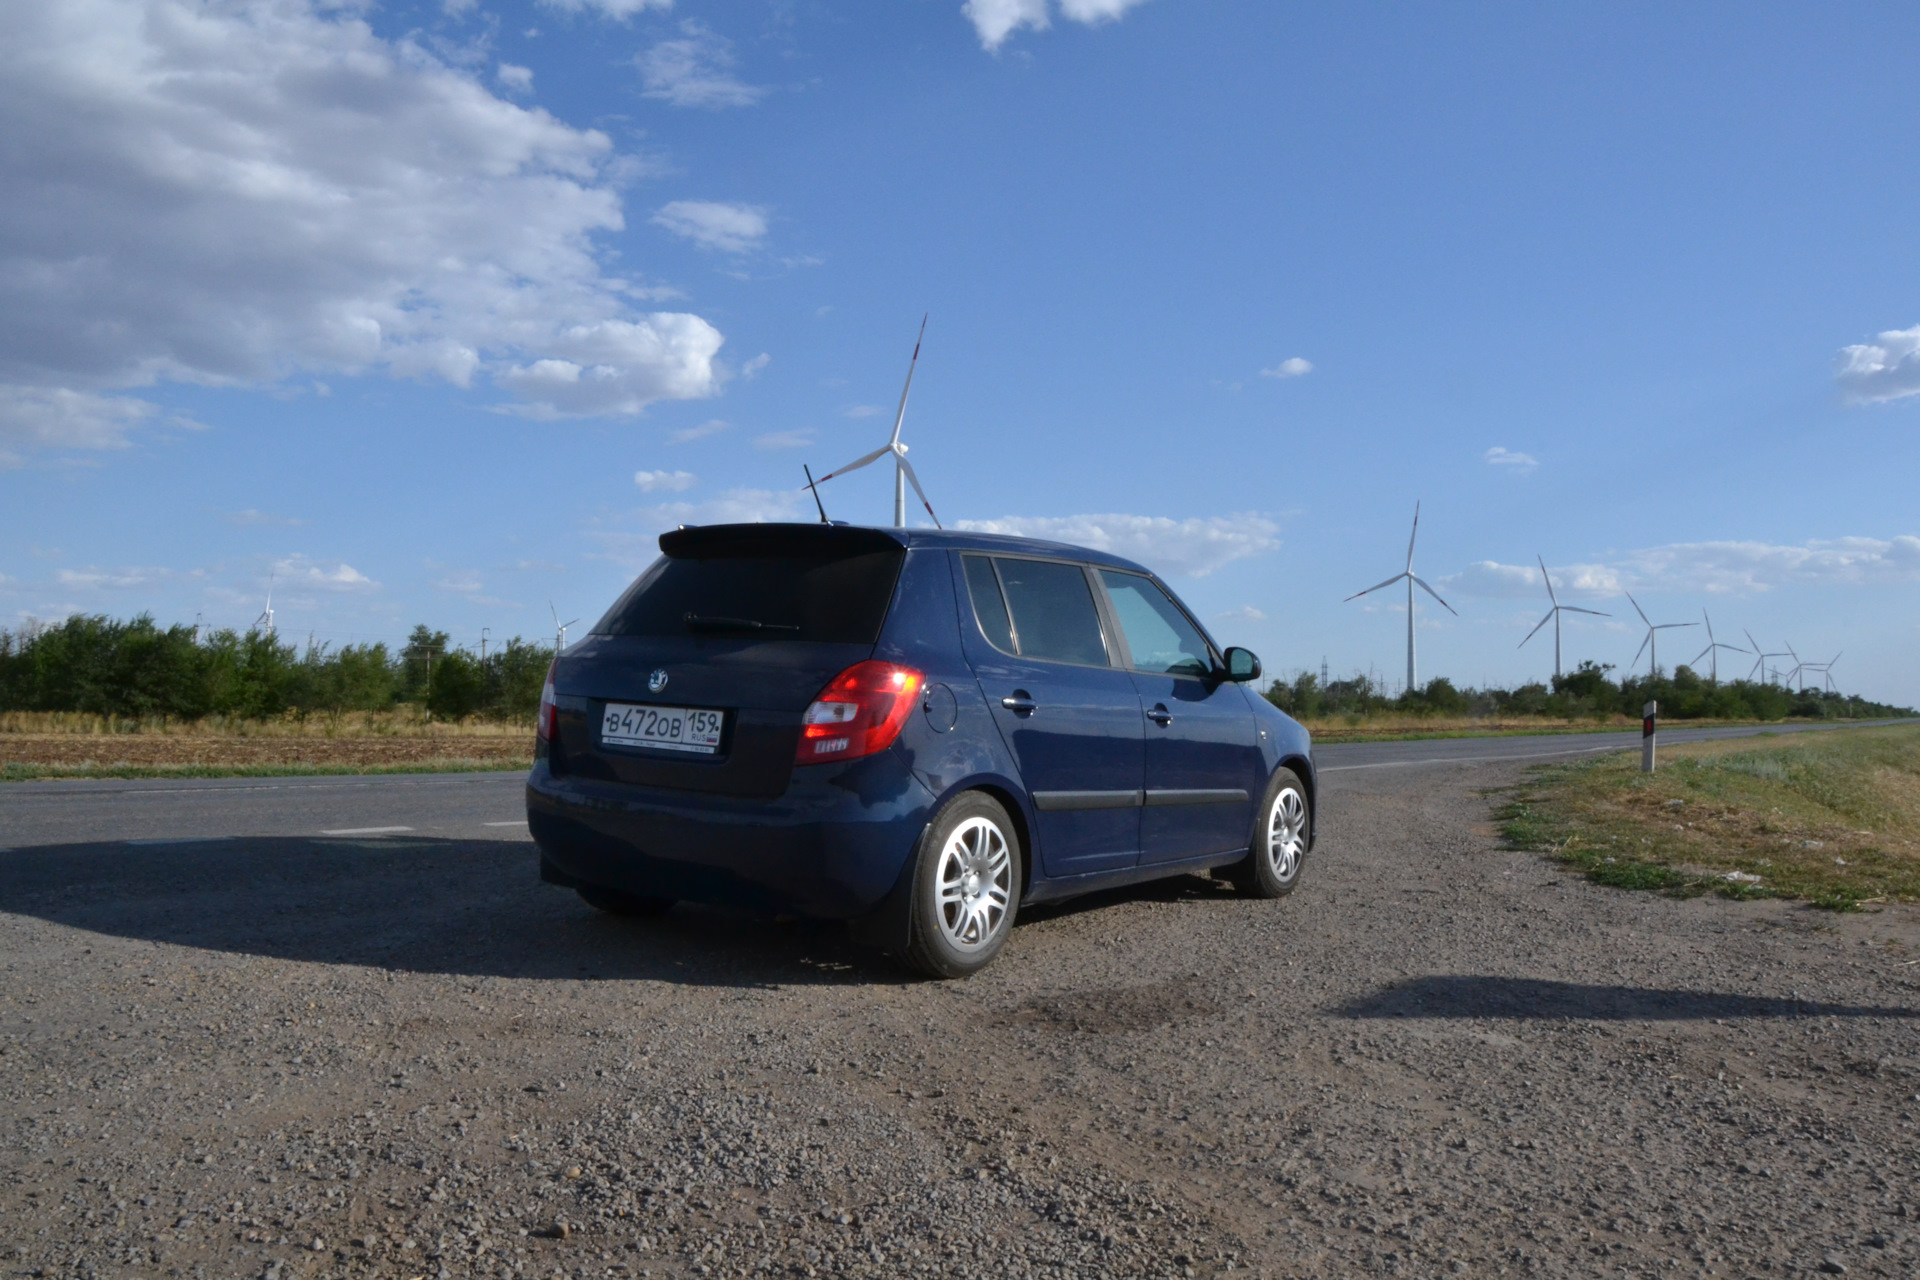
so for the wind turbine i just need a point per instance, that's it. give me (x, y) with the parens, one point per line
(265, 621)
(1553, 616)
(1411, 580)
(902, 469)
(1712, 652)
(559, 628)
(1799, 668)
(1825, 670)
(1653, 637)
(1760, 659)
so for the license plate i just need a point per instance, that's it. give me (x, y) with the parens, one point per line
(666, 728)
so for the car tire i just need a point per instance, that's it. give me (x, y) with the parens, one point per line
(616, 903)
(965, 889)
(1281, 829)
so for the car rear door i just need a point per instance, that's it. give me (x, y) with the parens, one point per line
(1203, 763)
(1067, 711)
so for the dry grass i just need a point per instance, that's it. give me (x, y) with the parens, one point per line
(404, 722)
(1358, 728)
(1833, 818)
(41, 745)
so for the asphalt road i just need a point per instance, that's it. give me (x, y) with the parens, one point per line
(477, 805)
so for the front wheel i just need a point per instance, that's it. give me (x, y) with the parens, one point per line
(1272, 868)
(966, 888)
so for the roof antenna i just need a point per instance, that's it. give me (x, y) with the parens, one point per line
(814, 489)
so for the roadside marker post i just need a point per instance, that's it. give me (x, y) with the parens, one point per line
(1649, 714)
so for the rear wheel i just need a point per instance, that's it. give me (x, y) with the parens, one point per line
(966, 888)
(616, 903)
(1272, 868)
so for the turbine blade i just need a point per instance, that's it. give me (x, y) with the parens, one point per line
(901, 416)
(1573, 608)
(1436, 595)
(1703, 613)
(1543, 573)
(1415, 534)
(1703, 653)
(1637, 609)
(1389, 582)
(856, 465)
(1642, 649)
(1536, 629)
(914, 480)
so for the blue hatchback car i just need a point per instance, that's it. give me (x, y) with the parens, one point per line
(915, 731)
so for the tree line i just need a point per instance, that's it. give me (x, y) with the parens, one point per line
(139, 670)
(1587, 692)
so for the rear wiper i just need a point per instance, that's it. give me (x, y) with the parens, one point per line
(705, 622)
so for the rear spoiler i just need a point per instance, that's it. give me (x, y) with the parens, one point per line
(744, 541)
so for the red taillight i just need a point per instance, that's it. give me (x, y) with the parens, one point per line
(549, 722)
(859, 712)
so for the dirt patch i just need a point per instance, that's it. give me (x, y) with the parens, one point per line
(106, 751)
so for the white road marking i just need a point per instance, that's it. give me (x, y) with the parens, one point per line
(517, 822)
(366, 831)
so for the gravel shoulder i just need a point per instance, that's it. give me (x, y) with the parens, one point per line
(403, 1056)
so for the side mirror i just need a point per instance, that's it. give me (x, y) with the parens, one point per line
(1242, 666)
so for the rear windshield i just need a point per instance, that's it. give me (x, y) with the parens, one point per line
(835, 599)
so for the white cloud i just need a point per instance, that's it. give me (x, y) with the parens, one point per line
(695, 70)
(57, 417)
(995, 20)
(95, 579)
(784, 440)
(1715, 568)
(1518, 463)
(621, 9)
(862, 411)
(252, 516)
(618, 367)
(239, 193)
(751, 369)
(1192, 547)
(711, 224)
(668, 481)
(297, 571)
(712, 427)
(1245, 616)
(1291, 367)
(460, 581)
(514, 79)
(1888, 368)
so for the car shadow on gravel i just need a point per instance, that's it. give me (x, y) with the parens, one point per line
(412, 904)
(1481, 996)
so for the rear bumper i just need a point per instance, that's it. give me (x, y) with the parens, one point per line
(832, 847)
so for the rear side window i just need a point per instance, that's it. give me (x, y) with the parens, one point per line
(834, 599)
(1049, 609)
(988, 606)
(1158, 633)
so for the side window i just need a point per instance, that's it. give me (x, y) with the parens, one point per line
(1161, 637)
(988, 606)
(1054, 617)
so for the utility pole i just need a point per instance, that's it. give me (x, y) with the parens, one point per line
(483, 645)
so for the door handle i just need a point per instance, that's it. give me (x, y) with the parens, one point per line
(1019, 703)
(1160, 715)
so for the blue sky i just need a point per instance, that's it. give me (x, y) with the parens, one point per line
(441, 312)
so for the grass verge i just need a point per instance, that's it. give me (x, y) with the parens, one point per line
(1829, 819)
(43, 772)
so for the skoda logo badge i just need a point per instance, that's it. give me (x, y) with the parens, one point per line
(657, 681)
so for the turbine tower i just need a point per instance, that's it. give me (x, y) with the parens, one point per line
(1653, 638)
(559, 628)
(1412, 581)
(1712, 652)
(1553, 616)
(264, 623)
(902, 469)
